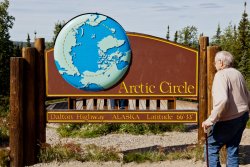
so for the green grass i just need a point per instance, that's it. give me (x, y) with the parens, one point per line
(60, 152)
(140, 157)
(56, 100)
(71, 151)
(195, 153)
(4, 133)
(4, 106)
(4, 119)
(86, 130)
(4, 158)
(96, 130)
(96, 153)
(4, 130)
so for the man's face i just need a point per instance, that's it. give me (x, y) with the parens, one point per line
(218, 64)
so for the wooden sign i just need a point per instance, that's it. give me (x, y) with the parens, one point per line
(60, 116)
(158, 68)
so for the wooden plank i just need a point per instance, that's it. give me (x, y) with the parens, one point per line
(40, 92)
(29, 54)
(105, 104)
(16, 111)
(137, 104)
(203, 41)
(147, 104)
(211, 70)
(95, 104)
(158, 104)
(152, 105)
(71, 103)
(172, 104)
(124, 116)
(84, 103)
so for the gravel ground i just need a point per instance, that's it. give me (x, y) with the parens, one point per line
(126, 142)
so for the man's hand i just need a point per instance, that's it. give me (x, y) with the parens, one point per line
(206, 124)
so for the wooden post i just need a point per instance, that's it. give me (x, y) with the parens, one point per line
(40, 92)
(29, 54)
(95, 104)
(84, 104)
(105, 104)
(158, 104)
(147, 104)
(16, 112)
(211, 70)
(137, 104)
(172, 104)
(71, 103)
(203, 41)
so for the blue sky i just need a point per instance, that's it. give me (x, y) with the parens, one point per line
(144, 16)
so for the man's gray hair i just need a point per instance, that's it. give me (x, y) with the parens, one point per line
(226, 57)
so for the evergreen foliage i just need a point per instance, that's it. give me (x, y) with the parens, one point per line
(17, 52)
(58, 26)
(167, 36)
(237, 41)
(188, 36)
(6, 47)
(216, 39)
(244, 31)
(28, 44)
(229, 42)
(176, 36)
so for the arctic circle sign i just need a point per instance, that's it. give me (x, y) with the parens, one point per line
(95, 57)
(92, 52)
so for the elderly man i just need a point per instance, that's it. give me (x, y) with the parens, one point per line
(230, 111)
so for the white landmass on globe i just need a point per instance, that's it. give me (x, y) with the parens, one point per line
(112, 30)
(117, 54)
(109, 42)
(108, 71)
(64, 58)
(95, 20)
(103, 75)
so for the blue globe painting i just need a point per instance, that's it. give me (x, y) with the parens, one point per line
(92, 52)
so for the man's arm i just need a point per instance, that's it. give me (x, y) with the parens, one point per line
(220, 99)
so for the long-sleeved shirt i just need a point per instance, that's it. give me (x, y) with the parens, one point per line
(230, 96)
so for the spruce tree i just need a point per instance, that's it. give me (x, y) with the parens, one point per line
(28, 44)
(167, 36)
(244, 30)
(57, 28)
(216, 40)
(244, 45)
(243, 64)
(17, 52)
(230, 42)
(176, 36)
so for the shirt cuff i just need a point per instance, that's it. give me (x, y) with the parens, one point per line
(208, 122)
